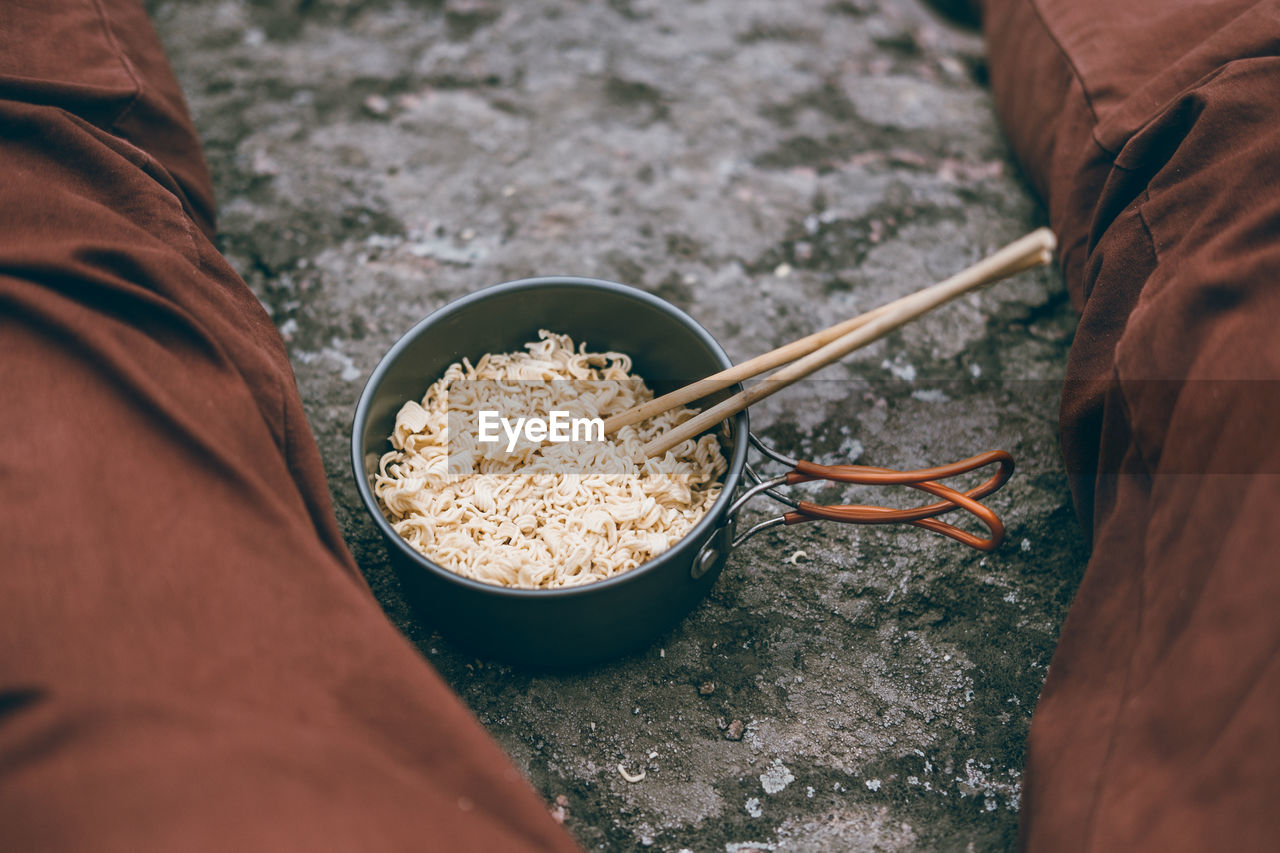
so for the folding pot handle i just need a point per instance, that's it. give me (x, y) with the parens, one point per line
(923, 479)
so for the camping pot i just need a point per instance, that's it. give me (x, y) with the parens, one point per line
(573, 626)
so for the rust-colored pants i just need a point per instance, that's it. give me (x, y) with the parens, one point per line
(1152, 130)
(190, 660)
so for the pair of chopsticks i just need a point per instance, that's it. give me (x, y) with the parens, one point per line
(816, 351)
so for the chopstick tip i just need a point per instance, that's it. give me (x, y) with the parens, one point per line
(1048, 240)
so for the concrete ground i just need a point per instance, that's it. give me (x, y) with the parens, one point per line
(770, 168)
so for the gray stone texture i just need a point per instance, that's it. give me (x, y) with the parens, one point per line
(771, 168)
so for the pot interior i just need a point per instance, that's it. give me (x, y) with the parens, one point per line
(668, 350)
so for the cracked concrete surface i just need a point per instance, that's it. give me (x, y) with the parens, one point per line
(770, 168)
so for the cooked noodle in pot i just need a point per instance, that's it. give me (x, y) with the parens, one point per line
(544, 515)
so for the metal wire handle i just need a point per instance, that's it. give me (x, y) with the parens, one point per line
(922, 479)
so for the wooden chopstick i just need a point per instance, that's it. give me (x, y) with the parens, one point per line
(816, 351)
(745, 370)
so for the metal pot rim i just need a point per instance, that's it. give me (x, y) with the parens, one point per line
(694, 538)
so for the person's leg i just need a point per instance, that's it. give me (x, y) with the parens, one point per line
(1152, 129)
(189, 658)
